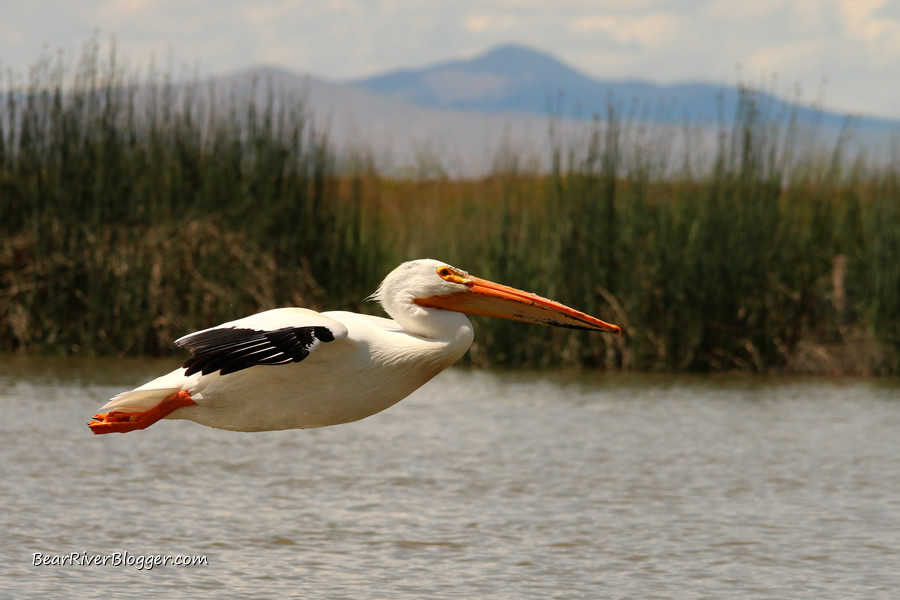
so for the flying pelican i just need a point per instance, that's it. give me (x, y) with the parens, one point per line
(267, 371)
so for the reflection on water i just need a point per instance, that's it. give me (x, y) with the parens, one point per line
(480, 485)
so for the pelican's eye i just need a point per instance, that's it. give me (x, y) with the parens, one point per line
(452, 275)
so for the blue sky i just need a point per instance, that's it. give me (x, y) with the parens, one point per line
(851, 45)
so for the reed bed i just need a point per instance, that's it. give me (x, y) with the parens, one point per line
(134, 209)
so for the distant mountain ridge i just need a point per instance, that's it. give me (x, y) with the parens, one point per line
(400, 136)
(520, 79)
(454, 117)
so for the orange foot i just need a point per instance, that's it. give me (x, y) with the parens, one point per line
(118, 421)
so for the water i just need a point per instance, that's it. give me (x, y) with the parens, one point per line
(480, 485)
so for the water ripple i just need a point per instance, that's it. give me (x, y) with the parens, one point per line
(480, 485)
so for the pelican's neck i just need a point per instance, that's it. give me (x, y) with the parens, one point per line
(430, 323)
(418, 279)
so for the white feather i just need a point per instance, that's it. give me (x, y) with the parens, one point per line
(372, 363)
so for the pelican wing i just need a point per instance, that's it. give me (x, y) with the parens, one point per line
(274, 337)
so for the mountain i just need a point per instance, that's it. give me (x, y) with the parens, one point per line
(460, 117)
(403, 138)
(521, 79)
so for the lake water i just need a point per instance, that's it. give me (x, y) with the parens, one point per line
(480, 485)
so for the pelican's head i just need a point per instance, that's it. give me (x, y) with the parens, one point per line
(427, 283)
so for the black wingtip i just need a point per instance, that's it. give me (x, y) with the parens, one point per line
(233, 349)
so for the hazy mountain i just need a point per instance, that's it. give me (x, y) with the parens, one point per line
(503, 108)
(402, 137)
(461, 117)
(516, 78)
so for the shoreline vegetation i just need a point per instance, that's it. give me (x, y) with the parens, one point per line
(134, 210)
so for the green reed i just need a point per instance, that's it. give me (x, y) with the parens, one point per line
(134, 209)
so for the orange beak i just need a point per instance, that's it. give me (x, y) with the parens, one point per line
(489, 299)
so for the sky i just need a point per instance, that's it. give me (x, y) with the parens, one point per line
(843, 52)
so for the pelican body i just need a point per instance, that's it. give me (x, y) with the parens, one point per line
(293, 368)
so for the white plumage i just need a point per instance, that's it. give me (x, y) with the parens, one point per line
(293, 368)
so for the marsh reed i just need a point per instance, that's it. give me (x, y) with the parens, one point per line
(134, 209)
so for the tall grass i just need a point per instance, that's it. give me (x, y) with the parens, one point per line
(134, 209)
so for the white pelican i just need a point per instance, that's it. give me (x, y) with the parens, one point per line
(293, 368)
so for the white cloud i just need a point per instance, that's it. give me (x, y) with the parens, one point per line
(729, 11)
(854, 43)
(879, 35)
(493, 23)
(790, 57)
(649, 31)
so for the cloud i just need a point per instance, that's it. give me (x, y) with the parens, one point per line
(729, 11)
(854, 43)
(494, 23)
(648, 31)
(790, 57)
(878, 33)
